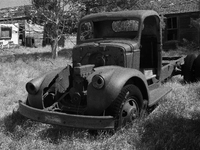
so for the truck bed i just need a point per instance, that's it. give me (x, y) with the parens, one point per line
(172, 59)
(171, 66)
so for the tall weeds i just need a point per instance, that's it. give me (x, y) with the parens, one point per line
(174, 124)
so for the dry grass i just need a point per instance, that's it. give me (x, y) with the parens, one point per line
(175, 123)
(69, 43)
(17, 132)
(172, 125)
(183, 50)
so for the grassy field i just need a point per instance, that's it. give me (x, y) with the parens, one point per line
(69, 43)
(174, 124)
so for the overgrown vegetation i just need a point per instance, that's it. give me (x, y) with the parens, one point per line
(174, 124)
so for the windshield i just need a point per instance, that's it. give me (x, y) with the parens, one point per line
(115, 29)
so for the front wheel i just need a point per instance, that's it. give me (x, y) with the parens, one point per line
(127, 106)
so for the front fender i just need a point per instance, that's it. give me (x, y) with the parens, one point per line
(115, 79)
(36, 100)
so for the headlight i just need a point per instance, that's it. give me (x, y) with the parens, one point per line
(31, 89)
(98, 81)
(33, 86)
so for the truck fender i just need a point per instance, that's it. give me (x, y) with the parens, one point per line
(115, 79)
(36, 100)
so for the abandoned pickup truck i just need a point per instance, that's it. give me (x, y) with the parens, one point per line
(116, 74)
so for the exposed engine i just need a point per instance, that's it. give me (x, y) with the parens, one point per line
(68, 91)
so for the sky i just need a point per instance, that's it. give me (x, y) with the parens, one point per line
(13, 3)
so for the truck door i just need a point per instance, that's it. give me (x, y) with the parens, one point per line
(150, 60)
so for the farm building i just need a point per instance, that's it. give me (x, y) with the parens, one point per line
(178, 21)
(15, 29)
(26, 34)
(178, 16)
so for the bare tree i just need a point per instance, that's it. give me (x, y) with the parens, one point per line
(58, 16)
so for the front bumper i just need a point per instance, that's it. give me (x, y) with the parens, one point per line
(68, 120)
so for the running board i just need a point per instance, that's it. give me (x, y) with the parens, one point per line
(157, 94)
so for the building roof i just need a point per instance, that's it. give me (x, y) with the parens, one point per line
(13, 9)
(13, 13)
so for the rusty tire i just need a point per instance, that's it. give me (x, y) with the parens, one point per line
(188, 68)
(127, 106)
(197, 68)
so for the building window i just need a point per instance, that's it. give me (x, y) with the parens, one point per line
(5, 32)
(172, 29)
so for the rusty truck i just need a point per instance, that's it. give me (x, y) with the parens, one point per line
(116, 74)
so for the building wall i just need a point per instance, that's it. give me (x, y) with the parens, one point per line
(33, 31)
(9, 34)
(179, 29)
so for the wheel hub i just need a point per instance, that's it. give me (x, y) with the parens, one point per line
(129, 111)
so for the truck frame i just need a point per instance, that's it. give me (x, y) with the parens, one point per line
(115, 77)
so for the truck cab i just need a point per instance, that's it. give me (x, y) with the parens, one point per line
(129, 39)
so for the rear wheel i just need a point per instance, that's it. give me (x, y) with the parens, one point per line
(197, 68)
(188, 68)
(127, 106)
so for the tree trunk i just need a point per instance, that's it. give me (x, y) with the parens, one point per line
(54, 48)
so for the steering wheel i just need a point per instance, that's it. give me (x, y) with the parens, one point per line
(97, 59)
